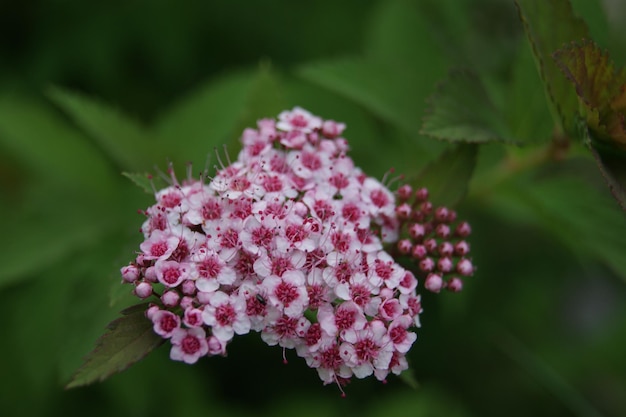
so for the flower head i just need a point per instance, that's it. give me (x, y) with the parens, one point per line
(293, 241)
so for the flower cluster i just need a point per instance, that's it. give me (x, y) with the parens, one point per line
(286, 241)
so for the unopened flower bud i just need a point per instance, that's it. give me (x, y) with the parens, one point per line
(403, 211)
(442, 231)
(431, 245)
(170, 298)
(427, 264)
(416, 231)
(433, 283)
(419, 251)
(461, 248)
(441, 214)
(143, 290)
(150, 274)
(421, 194)
(446, 249)
(426, 207)
(130, 273)
(189, 287)
(445, 265)
(454, 284)
(404, 192)
(465, 267)
(405, 246)
(463, 229)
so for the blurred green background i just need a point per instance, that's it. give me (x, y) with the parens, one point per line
(89, 90)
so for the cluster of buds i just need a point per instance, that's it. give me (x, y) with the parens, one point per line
(287, 241)
(434, 240)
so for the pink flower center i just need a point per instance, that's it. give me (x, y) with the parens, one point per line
(295, 233)
(286, 293)
(323, 209)
(343, 271)
(313, 334)
(211, 210)
(230, 239)
(286, 326)
(339, 181)
(351, 212)
(171, 200)
(316, 296)
(379, 198)
(168, 323)
(360, 295)
(225, 315)
(158, 249)
(190, 345)
(262, 236)
(171, 275)
(397, 334)
(298, 120)
(344, 319)
(209, 268)
(311, 161)
(341, 241)
(330, 358)
(254, 307)
(272, 184)
(280, 265)
(366, 350)
(383, 269)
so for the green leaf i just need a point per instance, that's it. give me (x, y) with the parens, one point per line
(601, 89)
(447, 178)
(581, 216)
(205, 120)
(613, 169)
(127, 340)
(50, 225)
(32, 132)
(123, 140)
(547, 376)
(461, 111)
(549, 24)
(145, 181)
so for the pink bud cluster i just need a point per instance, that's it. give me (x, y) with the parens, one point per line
(288, 241)
(435, 241)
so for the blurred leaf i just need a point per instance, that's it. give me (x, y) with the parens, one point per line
(526, 110)
(127, 340)
(264, 99)
(540, 19)
(44, 230)
(408, 377)
(601, 90)
(206, 120)
(582, 217)
(461, 111)
(547, 376)
(123, 140)
(447, 178)
(613, 169)
(48, 146)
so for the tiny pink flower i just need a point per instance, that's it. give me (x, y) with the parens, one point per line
(170, 273)
(188, 345)
(298, 119)
(165, 323)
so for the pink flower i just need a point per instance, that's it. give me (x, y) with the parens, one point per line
(165, 323)
(366, 349)
(298, 119)
(188, 345)
(226, 315)
(171, 273)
